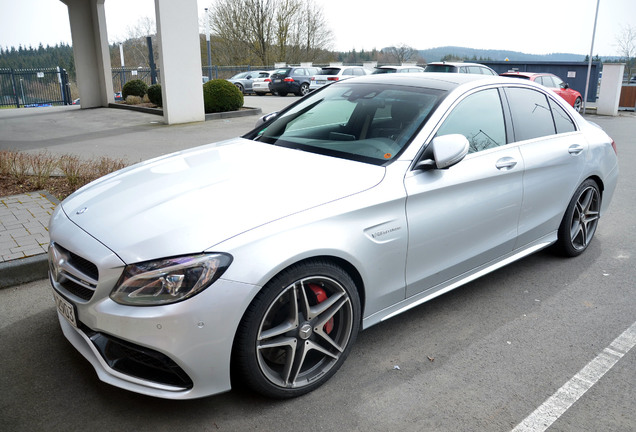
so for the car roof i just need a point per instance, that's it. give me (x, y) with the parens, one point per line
(442, 81)
(457, 64)
(525, 74)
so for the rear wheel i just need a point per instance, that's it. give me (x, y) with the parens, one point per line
(298, 330)
(580, 220)
(304, 89)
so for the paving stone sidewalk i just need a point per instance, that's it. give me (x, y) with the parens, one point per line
(24, 235)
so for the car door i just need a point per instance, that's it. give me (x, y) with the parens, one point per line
(465, 216)
(554, 153)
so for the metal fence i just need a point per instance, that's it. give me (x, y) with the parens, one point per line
(34, 87)
(122, 75)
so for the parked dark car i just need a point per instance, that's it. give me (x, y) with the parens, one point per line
(292, 79)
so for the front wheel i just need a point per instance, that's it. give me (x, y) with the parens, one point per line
(577, 104)
(239, 87)
(298, 330)
(580, 220)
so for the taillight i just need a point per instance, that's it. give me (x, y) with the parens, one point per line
(268, 80)
(614, 147)
(289, 79)
(333, 78)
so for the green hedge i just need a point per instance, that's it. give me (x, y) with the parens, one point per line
(154, 94)
(220, 95)
(134, 88)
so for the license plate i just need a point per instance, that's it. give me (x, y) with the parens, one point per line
(66, 308)
(277, 80)
(321, 82)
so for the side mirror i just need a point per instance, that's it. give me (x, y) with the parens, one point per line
(447, 150)
(264, 119)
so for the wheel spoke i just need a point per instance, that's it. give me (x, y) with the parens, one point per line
(319, 325)
(290, 323)
(302, 354)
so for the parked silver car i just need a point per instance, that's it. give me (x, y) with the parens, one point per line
(243, 81)
(267, 254)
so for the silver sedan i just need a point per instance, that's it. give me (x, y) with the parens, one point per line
(267, 254)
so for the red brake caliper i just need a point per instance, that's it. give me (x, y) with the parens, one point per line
(321, 296)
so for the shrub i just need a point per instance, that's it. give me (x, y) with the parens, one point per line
(154, 94)
(133, 100)
(135, 88)
(220, 95)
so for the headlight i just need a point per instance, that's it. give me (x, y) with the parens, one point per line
(168, 280)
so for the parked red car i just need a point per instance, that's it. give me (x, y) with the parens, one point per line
(554, 83)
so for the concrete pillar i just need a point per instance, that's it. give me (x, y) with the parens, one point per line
(180, 61)
(91, 52)
(610, 92)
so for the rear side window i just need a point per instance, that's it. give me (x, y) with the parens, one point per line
(562, 120)
(531, 113)
(480, 119)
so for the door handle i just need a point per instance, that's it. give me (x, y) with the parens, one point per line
(506, 163)
(575, 149)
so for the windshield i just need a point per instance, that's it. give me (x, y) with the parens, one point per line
(383, 71)
(367, 122)
(329, 71)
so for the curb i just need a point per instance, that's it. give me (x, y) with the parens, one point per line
(18, 272)
(244, 112)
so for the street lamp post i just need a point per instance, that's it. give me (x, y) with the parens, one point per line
(207, 39)
(589, 63)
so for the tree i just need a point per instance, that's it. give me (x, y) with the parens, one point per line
(265, 31)
(626, 43)
(402, 53)
(135, 44)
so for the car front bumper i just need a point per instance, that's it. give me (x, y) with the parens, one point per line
(176, 351)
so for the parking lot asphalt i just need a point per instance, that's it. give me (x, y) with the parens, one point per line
(90, 134)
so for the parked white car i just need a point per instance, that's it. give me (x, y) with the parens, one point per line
(261, 84)
(336, 73)
(397, 69)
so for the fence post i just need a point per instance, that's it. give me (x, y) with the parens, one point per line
(15, 89)
(151, 60)
(66, 88)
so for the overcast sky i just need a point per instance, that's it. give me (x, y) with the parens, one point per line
(539, 27)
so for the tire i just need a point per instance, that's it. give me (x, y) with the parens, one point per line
(580, 221)
(298, 330)
(240, 87)
(577, 104)
(304, 89)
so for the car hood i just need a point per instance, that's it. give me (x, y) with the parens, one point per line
(190, 201)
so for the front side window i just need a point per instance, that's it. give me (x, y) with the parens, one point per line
(531, 113)
(479, 117)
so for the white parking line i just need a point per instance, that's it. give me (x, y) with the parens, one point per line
(566, 396)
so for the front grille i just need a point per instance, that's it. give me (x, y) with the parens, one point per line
(138, 361)
(75, 274)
